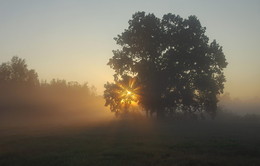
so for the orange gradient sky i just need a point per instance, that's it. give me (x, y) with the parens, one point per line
(73, 40)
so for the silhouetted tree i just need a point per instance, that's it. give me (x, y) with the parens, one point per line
(21, 90)
(173, 60)
(16, 72)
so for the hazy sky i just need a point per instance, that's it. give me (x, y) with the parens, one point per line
(73, 39)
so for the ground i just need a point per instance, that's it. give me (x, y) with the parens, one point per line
(134, 142)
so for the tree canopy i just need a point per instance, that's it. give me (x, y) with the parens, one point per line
(16, 72)
(177, 66)
(21, 90)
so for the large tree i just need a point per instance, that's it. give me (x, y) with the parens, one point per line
(178, 68)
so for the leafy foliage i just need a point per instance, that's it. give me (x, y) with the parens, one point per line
(21, 90)
(16, 72)
(172, 58)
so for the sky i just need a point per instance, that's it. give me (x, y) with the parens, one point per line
(73, 39)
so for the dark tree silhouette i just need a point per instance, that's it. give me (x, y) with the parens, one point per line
(21, 91)
(16, 72)
(176, 65)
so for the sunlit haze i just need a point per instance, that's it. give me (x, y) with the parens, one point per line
(73, 40)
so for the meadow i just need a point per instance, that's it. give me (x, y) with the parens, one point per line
(132, 142)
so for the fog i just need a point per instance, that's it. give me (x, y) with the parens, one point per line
(60, 105)
(48, 125)
(26, 104)
(48, 108)
(239, 106)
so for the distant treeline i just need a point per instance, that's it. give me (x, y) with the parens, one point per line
(20, 89)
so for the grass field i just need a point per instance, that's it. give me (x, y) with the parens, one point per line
(134, 142)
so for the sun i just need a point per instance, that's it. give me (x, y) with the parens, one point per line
(128, 93)
(127, 96)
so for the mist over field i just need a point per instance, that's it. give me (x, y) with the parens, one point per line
(38, 109)
(62, 122)
(48, 109)
(67, 123)
(129, 83)
(239, 106)
(61, 130)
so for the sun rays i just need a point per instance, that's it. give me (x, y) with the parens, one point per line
(128, 92)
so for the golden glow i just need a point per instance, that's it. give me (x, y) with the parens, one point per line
(128, 93)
